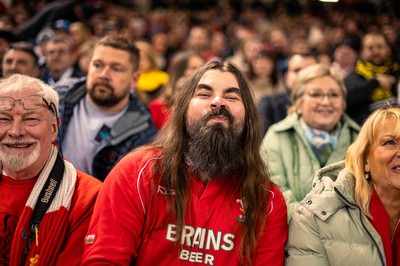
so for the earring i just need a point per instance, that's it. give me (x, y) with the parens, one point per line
(367, 176)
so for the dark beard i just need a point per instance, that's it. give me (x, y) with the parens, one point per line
(214, 150)
(104, 99)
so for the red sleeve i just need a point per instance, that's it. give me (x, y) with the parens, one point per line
(79, 217)
(271, 248)
(118, 220)
(159, 114)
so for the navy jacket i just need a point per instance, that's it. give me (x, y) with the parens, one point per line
(133, 129)
(273, 108)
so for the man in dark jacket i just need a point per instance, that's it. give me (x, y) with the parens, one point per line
(59, 61)
(273, 108)
(374, 82)
(102, 119)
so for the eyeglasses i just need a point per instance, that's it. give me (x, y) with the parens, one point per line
(33, 102)
(319, 96)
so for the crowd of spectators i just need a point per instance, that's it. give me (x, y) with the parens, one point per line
(214, 32)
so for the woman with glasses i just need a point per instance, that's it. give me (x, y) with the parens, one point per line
(315, 133)
(352, 215)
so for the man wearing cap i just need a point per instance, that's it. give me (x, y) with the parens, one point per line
(61, 26)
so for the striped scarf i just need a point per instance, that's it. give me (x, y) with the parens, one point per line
(53, 227)
(368, 71)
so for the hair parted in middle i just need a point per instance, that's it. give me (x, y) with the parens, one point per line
(254, 180)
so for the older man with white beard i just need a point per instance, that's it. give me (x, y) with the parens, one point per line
(45, 204)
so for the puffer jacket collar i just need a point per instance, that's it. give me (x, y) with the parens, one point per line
(323, 200)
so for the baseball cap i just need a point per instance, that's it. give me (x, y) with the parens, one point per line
(61, 24)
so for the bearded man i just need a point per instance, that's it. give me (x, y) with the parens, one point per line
(101, 117)
(45, 203)
(373, 83)
(200, 193)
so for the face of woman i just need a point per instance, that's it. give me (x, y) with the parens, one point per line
(322, 103)
(383, 159)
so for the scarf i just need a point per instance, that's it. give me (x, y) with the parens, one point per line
(368, 71)
(322, 142)
(381, 223)
(53, 227)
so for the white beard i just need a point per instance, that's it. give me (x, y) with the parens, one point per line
(15, 162)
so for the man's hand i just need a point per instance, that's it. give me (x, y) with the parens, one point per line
(385, 81)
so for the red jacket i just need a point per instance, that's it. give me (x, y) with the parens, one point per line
(130, 224)
(68, 246)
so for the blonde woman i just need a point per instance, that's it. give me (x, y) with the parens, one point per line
(352, 215)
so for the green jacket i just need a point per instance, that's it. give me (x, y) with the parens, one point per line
(329, 228)
(291, 159)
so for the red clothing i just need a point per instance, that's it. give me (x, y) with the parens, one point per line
(381, 224)
(131, 225)
(14, 194)
(82, 205)
(159, 112)
(79, 215)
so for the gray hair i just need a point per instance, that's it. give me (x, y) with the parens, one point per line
(18, 82)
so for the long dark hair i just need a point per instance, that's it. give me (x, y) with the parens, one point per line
(254, 177)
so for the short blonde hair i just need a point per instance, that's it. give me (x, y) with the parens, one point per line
(357, 152)
(308, 74)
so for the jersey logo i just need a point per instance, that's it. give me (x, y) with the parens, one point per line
(165, 191)
(89, 239)
(241, 217)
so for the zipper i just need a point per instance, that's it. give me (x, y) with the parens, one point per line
(362, 222)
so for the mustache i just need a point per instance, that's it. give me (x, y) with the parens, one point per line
(104, 84)
(217, 112)
(10, 141)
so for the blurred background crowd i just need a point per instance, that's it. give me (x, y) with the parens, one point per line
(214, 29)
(175, 37)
